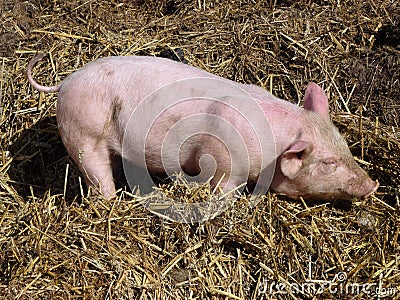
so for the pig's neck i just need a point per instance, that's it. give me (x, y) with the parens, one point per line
(286, 119)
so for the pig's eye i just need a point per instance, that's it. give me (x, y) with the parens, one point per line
(330, 166)
(299, 154)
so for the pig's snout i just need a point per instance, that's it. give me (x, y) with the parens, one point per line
(369, 188)
(362, 189)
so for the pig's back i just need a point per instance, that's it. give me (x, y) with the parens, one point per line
(147, 70)
(128, 78)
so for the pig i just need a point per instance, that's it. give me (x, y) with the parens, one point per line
(311, 159)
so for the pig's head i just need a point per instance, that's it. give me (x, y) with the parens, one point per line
(319, 164)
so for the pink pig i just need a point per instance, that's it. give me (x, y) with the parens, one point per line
(95, 105)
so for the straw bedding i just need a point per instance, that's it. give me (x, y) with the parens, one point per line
(58, 243)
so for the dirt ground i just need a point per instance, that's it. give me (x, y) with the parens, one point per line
(58, 243)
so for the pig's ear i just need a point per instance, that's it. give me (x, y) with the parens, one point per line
(292, 159)
(316, 100)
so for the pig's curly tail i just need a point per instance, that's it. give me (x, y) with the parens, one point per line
(42, 88)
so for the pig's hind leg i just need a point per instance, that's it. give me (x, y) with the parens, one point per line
(94, 161)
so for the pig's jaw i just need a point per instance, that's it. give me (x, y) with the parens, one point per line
(340, 196)
(284, 186)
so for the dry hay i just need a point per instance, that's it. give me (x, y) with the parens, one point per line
(58, 246)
